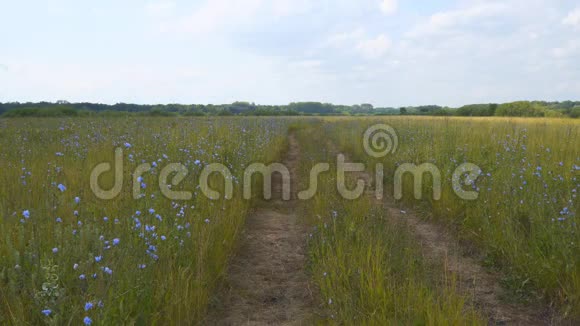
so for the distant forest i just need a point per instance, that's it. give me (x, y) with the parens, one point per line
(63, 108)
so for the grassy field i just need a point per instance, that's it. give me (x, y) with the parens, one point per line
(67, 257)
(524, 221)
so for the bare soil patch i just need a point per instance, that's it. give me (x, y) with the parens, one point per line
(266, 283)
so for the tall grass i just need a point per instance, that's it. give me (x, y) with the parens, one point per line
(67, 257)
(368, 268)
(525, 219)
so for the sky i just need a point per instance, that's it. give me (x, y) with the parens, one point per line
(389, 53)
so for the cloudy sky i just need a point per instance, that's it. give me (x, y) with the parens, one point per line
(385, 52)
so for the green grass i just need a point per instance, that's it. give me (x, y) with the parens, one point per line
(525, 219)
(369, 270)
(199, 234)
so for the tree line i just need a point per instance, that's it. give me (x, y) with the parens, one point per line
(64, 108)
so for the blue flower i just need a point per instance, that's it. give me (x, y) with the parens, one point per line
(26, 214)
(54, 250)
(87, 321)
(77, 200)
(127, 145)
(98, 258)
(82, 277)
(116, 241)
(163, 238)
(61, 187)
(142, 266)
(75, 266)
(47, 312)
(108, 270)
(151, 211)
(88, 306)
(58, 220)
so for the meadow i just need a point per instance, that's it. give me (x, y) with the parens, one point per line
(524, 220)
(70, 258)
(67, 257)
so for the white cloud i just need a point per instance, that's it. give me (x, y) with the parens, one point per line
(345, 39)
(215, 15)
(572, 48)
(374, 48)
(359, 42)
(290, 7)
(573, 18)
(447, 21)
(160, 8)
(389, 7)
(219, 15)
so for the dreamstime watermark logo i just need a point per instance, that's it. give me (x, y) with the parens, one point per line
(379, 141)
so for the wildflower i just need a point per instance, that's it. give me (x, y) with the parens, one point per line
(163, 238)
(58, 220)
(61, 187)
(76, 213)
(106, 219)
(26, 214)
(88, 306)
(47, 312)
(59, 154)
(77, 200)
(82, 277)
(108, 270)
(206, 220)
(54, 250)
(127, 145)
(75, 266)
(87, 321)
(142, 266)
(101, 304)
(154, 164)
(151, 211)
(116, 241)
(138, 213)
(98, 258)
